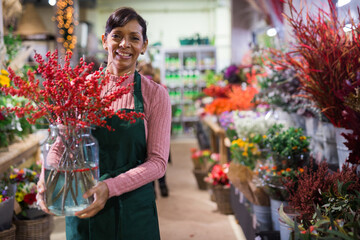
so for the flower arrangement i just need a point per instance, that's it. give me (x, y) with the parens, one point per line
(290, 148)
(218, 175)
(237, 99)
(245, 152)
(273, 179)
(326, 59)
(25, 180)
(203, 159)
(252, 124)
(70, 99)
(328, 202)
(226, 121)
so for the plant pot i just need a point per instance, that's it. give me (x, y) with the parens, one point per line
(263, 217)
(6, 213)
(38, 229)
(8, 234)
(275, 205)
(222, 196)
(285, 230)
(342, 150)
(199, 176)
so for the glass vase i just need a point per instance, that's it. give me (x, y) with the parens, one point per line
(71, 160)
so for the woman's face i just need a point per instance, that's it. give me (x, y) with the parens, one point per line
(124, 44)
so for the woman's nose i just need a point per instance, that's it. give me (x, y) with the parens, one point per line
(124, 42)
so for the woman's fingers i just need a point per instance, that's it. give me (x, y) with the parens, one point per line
(101, 194)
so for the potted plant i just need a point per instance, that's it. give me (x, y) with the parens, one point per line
(326, 60)
(221, 186)
(289, 148)
(202, 162)
(7, 198)
(327, 203)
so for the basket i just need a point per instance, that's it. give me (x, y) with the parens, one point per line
(211, 192)
(200, 175)
(222, 196)
(37, 229)
(8, 234)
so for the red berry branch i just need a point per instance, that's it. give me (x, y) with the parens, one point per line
(66, 95)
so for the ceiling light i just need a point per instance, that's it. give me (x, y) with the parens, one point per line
(52, 2)
(271, 32)
(341, 3)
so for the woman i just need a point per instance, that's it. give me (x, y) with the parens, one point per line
(132, 156)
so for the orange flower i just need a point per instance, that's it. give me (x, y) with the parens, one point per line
(273, 168)
(302, 138)
(295, 147)
(305, 150)
(288, 169)
(301, 170)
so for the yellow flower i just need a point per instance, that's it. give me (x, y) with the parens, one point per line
(245, 154)
(12, 176)
(4, 72)
(19, 196)
(4, 80)
(295, 147)
(264, 136)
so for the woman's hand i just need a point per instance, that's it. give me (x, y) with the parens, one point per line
(101, 195)
(40, 196)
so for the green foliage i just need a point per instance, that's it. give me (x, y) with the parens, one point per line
(13, 44)
(287, 146)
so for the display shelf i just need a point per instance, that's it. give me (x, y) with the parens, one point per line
(182, 70)
(20, 152)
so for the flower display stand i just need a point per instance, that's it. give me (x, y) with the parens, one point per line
(199, 176)
(222, 196)
(26, 150)
(8, 234)
(37, 229)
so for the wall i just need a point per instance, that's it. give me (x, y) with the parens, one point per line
(170, 20)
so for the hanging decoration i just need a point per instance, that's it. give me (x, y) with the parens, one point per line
(66, 23)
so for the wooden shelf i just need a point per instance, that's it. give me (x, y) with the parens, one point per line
(217, 134)
(20, 152)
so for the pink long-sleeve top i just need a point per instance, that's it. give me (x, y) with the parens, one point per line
(157, 110)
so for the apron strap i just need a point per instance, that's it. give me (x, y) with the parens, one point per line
(138, 99)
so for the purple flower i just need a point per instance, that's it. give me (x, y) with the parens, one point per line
(231, 70)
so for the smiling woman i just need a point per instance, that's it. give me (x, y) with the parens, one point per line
(124, 39)
(133, 155)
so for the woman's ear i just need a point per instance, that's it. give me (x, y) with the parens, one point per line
(143, 50)
(103, 39)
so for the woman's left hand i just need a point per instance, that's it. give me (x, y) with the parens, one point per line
(101, 194)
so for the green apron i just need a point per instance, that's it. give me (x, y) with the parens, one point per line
(133, 215)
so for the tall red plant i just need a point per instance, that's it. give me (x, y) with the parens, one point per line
(66, 95)
(327, 60)
(325, 57)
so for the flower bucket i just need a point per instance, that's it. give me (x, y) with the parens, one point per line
(342, 150)
(222, 196)
(275, 205)
(6, 213)
(71, 160)
(38, 229)
(329, 143)
(263, 217)
(285, 230)
(199, 176)
(8, 234)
